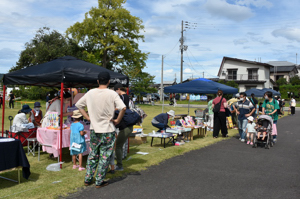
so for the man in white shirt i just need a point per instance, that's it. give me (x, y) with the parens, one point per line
(101, 104)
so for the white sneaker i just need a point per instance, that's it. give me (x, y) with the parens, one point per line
(242, 140)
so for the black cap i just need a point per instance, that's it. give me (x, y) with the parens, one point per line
(117, 86)
(103, 76)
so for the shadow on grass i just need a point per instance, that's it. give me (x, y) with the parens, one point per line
(13, 175)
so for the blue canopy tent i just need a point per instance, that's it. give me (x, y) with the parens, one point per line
(256, 92)
(200, 86)
(273, 91)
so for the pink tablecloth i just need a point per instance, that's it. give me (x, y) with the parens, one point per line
(51, 137)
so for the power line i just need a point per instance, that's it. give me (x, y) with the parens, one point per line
(201, 65)
(172, 48)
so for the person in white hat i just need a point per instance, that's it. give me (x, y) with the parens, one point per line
(161, 121)
(250, 130)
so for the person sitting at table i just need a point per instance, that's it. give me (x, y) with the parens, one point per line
(36, 115)
(54, 106)
(161, 121)
(20, 119)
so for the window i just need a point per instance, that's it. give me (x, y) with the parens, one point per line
(232, 74)
(252, 74)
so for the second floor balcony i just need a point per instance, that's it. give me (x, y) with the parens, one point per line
(242, 77)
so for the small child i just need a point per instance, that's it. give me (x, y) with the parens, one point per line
(261, 129)
(250, 130)
(77, 136)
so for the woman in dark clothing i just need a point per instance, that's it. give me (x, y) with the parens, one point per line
(220, 116)
(161, 121)
(11, 99)
(125, 131)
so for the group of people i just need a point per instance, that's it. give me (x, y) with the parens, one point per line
(33, 120)
(244, 111)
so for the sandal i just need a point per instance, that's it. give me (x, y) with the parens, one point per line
(103, 184)
(215, 137)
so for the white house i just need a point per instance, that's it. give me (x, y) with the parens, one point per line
(247, 74)
(283, 69)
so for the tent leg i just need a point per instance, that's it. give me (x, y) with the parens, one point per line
(3, 109)
(189, 107)
(61, 119)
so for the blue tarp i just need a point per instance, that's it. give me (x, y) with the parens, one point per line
(261, 92)
(200, 86)
(256, 92)
(273, 91)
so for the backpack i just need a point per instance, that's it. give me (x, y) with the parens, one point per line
(217, 107)
(130, 117)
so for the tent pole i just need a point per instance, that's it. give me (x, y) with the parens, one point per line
(3, 109)
(61, 119)
(71, 101)
(189, 107)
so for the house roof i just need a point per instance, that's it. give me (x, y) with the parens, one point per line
(281, 63)
(242, 60)
(284, 69)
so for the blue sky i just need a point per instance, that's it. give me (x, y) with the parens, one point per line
(245, 29)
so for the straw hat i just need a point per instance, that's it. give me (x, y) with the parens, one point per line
(171, 113)
(76, 114)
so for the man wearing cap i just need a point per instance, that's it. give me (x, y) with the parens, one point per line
(161, 121)
(36, 115)
(243, 109)
(101, 103)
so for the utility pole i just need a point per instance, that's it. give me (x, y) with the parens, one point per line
(181, 50)
(183, 47)
(162, 79)
(203, 74)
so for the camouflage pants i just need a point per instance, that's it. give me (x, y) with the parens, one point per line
(101, 148)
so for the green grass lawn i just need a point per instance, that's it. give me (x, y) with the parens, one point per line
(47, 184)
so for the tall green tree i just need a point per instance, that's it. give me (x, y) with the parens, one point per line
(142, 83)
(281, 81)
(45, 46)
(295, 80)
(110, 36)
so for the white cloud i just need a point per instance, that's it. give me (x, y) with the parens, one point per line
(240, 41)
(187, 70)
(221, 8)
(256, 3)
(292, 34)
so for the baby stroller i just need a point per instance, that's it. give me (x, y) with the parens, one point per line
(267, 124)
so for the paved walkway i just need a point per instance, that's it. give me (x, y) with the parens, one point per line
(228, 169)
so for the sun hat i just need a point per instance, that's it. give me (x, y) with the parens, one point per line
(76, 114)
(171, 113)
(25, 109)
(250, 118)
(37, 104)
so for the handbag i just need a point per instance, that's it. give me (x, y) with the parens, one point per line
(217, 107)
(293, 104)
(76, 147)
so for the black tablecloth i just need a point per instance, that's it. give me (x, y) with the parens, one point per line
(12, 155)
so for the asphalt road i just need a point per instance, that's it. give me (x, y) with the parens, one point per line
(228, 169)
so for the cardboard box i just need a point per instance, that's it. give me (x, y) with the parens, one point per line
(137, 140)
